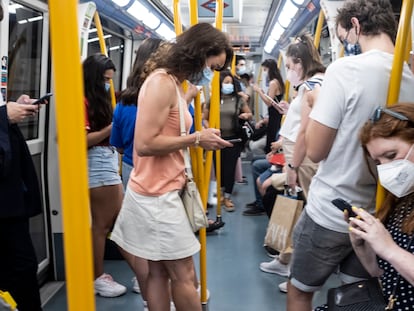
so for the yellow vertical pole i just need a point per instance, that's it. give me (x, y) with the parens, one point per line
(396, 71)
(99, 31)
(193, 12)
(72, 151)
(233, 65)
(318, 31)
(177, 20)
(409, 46)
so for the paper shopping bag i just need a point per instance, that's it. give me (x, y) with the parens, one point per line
(286, 212)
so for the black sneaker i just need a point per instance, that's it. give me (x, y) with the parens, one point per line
(254, 211)
(270, 251)
(251, 205)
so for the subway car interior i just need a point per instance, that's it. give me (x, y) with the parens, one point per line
(228, 267)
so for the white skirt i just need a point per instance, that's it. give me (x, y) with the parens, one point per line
(154, 228)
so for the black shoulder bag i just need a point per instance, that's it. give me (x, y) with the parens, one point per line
(365, 295)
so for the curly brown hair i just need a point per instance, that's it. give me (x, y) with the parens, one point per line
(189, 53)
(374, 16)
(388, 126)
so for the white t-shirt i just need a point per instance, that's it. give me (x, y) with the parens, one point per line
(353, 88)
(291, 125)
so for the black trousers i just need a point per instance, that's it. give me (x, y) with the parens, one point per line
(18, 264)
(229, 158)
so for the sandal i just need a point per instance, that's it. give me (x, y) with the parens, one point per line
(228, 205)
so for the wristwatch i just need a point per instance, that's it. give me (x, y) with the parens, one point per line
(291, 166)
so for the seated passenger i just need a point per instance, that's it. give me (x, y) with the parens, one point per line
(385, 244)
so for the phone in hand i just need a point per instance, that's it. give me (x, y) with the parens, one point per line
(235, 140)
(344, 205)
(43, 99)
(275, 102)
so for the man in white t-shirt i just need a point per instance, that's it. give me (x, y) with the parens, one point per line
(353, 87)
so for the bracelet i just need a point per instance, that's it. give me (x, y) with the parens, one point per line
(198, 137)
(291, 166)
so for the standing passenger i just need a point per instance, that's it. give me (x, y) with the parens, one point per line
(105, 185)
(273, 79)
(233, 110)
(152, 223)
(122, 137)
(352, 88)
(20, 200)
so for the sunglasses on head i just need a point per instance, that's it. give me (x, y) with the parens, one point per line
(377, 115)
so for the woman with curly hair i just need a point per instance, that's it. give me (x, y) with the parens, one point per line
(152, 223)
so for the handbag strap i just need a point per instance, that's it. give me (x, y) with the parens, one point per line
(183, 132)
(393, 298)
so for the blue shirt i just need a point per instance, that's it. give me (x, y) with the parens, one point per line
(123, 127)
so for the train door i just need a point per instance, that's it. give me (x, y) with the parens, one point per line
(24, 55)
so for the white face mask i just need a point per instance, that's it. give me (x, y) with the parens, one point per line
(293, 77)
(398, 176)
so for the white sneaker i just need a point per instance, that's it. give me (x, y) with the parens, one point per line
(275, 267)
(199, 292)
(172, 306)
(145, 303)
(105, 286)
(283, 287)
(135, 285)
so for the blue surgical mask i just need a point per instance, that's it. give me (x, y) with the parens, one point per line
(351, 49)
(202, 78)
(241, 70)
(227, 88)
(107, 86)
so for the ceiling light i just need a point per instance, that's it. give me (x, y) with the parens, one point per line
(121, 3)
(270, 44)
(165, 32)
(138, 10)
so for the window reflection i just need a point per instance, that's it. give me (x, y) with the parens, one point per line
(24, 59)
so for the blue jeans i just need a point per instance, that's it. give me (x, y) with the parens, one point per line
(259, 165)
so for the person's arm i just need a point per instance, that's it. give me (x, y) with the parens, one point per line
(274, 89)
(21, 109)
(94, 138)
(115, 138)
(154, 110)
(319, 140)
(246, 113)
(191, 93)
(299, 152)
(371, 231)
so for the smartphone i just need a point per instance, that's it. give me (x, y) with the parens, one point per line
(235, 140)
(42, 99)
(344, 205)
(274, 100)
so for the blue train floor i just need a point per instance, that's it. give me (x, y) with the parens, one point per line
(234, 279)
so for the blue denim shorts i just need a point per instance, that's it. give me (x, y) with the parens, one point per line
(318, 252)
(103, 166)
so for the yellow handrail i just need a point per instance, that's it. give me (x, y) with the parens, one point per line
(177, 20)
(318, 30)
(396, 71)
(102, 46)
(72, 149)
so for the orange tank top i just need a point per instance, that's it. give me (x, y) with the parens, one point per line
(157, 175)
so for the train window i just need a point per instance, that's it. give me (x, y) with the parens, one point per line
(114, 46)
(24, 59)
